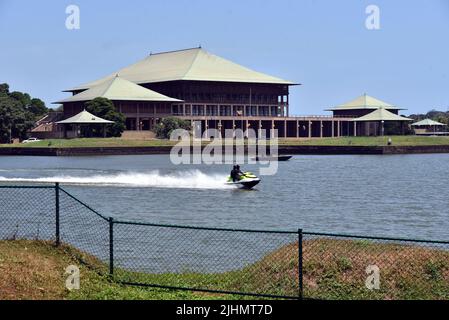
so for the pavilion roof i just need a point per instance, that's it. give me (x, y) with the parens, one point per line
(188, 64)
(382, 114)
(85, 117)
(428, 122)
(118, 88)
(364, 102)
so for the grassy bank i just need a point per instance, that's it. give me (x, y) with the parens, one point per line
(333, 269)
(342, 141)
(370, 141)
(91, 142)
(35, 270)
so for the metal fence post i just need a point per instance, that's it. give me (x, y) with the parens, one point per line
(57, 235)
(300, 270)
(111, 246)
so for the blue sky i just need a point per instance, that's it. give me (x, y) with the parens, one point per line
(322, 44)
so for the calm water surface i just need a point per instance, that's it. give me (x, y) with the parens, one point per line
(397, 195)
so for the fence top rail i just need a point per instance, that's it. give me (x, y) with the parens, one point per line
(27, 186)
(203, 228)
(342, 235)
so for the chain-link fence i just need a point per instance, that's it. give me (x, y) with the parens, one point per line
(27, 212)
(284, 264)
(356, 267)
(207, 259)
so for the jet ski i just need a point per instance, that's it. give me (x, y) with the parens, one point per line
(246, 181)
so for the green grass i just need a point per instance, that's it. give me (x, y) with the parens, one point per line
(35, 270)
(369, 141)
(342, 141)
(92, 142)
(333, 269)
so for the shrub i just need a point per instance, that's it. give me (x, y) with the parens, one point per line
(167, 125)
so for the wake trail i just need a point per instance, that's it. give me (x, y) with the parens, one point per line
(187, 180)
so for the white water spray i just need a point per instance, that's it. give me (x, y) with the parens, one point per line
(188, 180)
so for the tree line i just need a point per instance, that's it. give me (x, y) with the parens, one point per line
(440, 116)
(18, 113)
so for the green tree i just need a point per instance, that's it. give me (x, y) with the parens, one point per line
(15, 122)
(4, 89)
(15, 118)
(167, 125)
(37, 107)
(104, 108)
(23, 98)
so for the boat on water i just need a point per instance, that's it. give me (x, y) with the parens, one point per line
(247, 180)
(272, 158)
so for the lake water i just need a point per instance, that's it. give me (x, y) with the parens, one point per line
(394, 195)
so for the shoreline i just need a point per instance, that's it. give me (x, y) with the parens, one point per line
(282, 150)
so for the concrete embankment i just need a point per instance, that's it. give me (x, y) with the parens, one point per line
(298, 149)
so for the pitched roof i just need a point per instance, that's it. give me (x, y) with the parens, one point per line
(364, 102)
(382, 114)
(188, 64)
(117, 88)
(428, 122)
(85, 117)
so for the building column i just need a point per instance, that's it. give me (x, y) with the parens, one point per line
(338, 128)
(297, 129)
(138, 117)
(310, 129)
(333, 128)
(321, 128)
(355, 129)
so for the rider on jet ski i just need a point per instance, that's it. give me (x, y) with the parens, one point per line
(236, 173)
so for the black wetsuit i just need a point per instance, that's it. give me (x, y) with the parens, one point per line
(234, 175)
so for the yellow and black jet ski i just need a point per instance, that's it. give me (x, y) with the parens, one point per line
(247, 180)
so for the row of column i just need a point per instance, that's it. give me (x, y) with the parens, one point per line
(284, 109)
(335, 132)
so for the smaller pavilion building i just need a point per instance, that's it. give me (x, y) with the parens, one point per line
(429, 127)
(72, 126)
(377, 120)
(359, 109)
